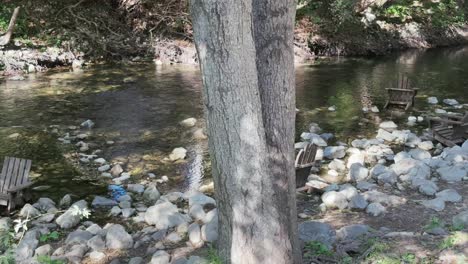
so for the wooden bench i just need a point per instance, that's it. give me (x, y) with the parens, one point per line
(449, 130)
(14, 178)
(402, 95)
(304, 161)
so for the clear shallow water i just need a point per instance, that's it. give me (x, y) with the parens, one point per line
(142, 113)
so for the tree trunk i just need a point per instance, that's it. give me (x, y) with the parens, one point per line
(5, 39)
(245, 49)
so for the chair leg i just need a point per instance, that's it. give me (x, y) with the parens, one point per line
(11, 203)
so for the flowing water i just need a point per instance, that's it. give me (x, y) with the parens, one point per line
(140, 107)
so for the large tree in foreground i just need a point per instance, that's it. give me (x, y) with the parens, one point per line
(245, 48)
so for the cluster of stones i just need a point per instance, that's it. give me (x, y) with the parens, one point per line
(370, 165)
(167, 233)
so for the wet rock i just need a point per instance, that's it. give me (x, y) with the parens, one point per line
(352, 232)
(388, 126)
(449, 195)
(178, 154)
(432, 100)
(189, 122)
(118, 238)
(164, 215)
(160, 257)
(451, 102)
(375, 209)
(87, 124)
(116, 170)
(69, 219)
(334, 152)
(452, 173)
(335, 199)
(436, 204)
(461, 219)
(317, 231)
(100, 201)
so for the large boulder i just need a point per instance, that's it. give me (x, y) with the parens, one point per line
(151, 194)
(164, 215)
(316, 231)
(352, 232)
(449, 195)
(118, 238)
(461, 219)
(336, 152)
(70, 219)
(27, 246)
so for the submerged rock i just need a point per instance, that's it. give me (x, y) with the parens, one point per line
(432, 100)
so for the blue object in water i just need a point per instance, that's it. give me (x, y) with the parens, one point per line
(117, 191)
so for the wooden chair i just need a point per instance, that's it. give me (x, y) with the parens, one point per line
(304, 161)
(449, 130)
(402, 95)
(14, 178)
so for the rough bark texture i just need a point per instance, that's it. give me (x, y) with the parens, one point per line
(5, 39)
(246, 56)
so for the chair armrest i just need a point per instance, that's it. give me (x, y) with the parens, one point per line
(444, 121)
(19, 187)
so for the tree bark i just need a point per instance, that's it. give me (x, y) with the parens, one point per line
(245, 49)
(5, 39)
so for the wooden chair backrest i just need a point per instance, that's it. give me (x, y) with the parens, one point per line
(306, 156)
(403, 82)
(15, 172)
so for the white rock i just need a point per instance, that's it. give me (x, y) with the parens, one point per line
(432, 100)
(374, 109)
(104, 168)
(452, 173)
(451, 102)
(357, 172)
(440, 111)
(314, 139)
(178, 154)
(189, 122)
(419, 154)
(337, 165)
(160, 257)
(87, 124)
(358, 158)
(388, 125)
(385, 135)
(332, 108)
(426, 145)
(194, 234)
(335, 200)
(164, 215)
(100, 161)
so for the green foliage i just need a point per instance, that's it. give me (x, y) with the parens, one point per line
(7, 247)
(409, 258)
(458, 227)
(47, 260)
(434, 223)
(213, 257)
(50, 237)
(316, 248)
(399, 11)
(448, 242)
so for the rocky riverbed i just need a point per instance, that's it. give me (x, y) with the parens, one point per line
(397, 195)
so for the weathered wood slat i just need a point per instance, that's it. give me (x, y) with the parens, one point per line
(14, 178)
(11, 164)
(3, 174)
(21, 173)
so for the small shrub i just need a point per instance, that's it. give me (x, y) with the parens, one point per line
(316, 248)
(50, 236)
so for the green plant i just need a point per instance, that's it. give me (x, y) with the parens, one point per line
(316, 248)
(448, 242)
(409, 258)
(457, 227)
(50, 236)
(434, 223)
(48, 260)
(213, 256)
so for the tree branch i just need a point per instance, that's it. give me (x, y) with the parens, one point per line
(5, 39)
